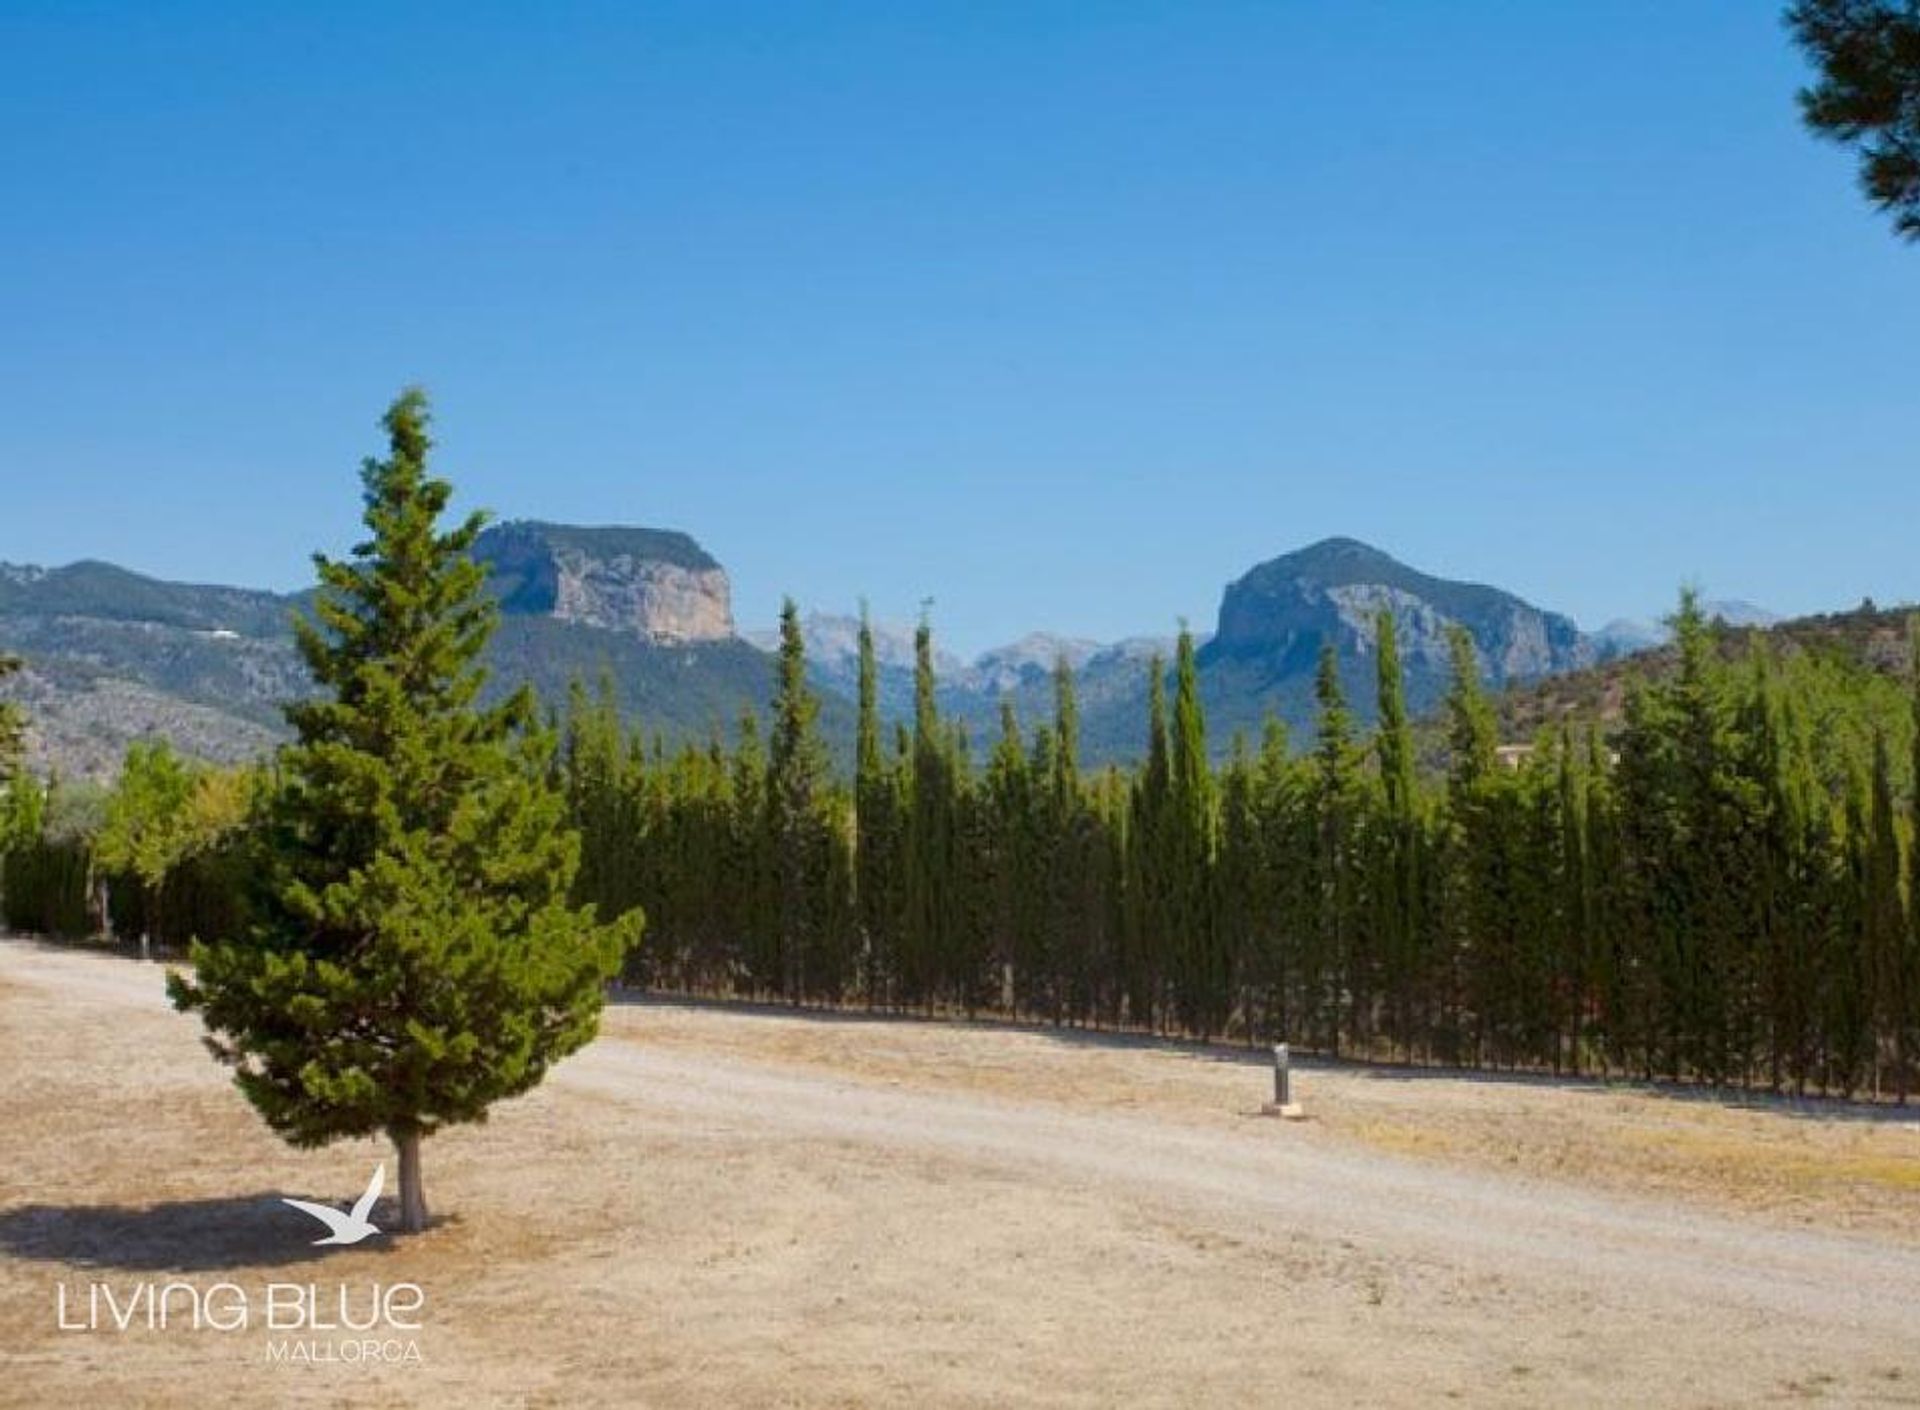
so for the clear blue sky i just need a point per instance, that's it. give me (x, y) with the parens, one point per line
(1061, 314)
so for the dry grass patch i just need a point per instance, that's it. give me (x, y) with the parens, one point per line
(717, 1207)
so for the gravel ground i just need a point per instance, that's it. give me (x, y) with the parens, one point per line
(715, 1206)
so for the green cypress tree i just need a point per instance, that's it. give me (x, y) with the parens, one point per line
(799, 831)
(1074, 905)
(1574, 983)
(1008, 803)
(1847, 997)
(1239, 899)
(930, 833)
(1706, 950)
(755, 923)
(967, 977)
(876, 834)
(1201, 985)
(419, 958)
(1908, 1031)
(593, 760)
(1884, 929)
(1604, 890)
(1398, 846)
(1148, 925)
(1284, 907)
(1337, 801)
(1479, 897)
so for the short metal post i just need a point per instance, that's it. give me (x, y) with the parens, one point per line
(1283, 1103)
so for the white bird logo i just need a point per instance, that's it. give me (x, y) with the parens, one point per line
(352, 1226)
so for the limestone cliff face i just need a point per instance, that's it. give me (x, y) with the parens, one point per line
(653, 583)
(661, 600)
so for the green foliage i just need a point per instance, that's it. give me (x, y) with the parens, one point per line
(148, 829)
(416, 955)
(811, 957)
(1868, 94)
(1718, 889)
(17, 795)
(1200, 978)
(46, 865)
(13, 729)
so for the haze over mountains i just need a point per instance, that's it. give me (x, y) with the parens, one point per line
(113, 656)
(1625, 635)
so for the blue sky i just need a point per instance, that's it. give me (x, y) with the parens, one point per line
(1062, 315)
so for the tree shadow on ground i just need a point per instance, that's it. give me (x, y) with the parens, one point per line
(187, 1236)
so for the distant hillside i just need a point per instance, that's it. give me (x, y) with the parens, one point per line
(1867, 638)
(1259, 661)
(113, 656)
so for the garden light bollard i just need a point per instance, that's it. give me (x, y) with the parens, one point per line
(1283, 1104)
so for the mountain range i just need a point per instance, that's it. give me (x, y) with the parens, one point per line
(112, 656)
(1624, 636)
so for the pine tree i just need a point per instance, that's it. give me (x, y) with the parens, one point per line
(1868, 93)
(418, 958)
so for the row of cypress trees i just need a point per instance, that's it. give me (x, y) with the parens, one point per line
(1719, 892)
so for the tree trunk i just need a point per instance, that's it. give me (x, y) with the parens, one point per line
(413, 1194)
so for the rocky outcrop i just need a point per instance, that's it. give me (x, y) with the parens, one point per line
(652, 583)
(1333, 591)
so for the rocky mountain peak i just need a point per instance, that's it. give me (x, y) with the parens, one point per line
(654, 583)
(1283, 610)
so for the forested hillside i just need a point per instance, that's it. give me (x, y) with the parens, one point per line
(1854, 647)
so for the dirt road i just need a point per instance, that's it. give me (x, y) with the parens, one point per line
(714, 1206)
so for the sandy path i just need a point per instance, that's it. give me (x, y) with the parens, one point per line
(716, 1207)
(1265, 1178)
